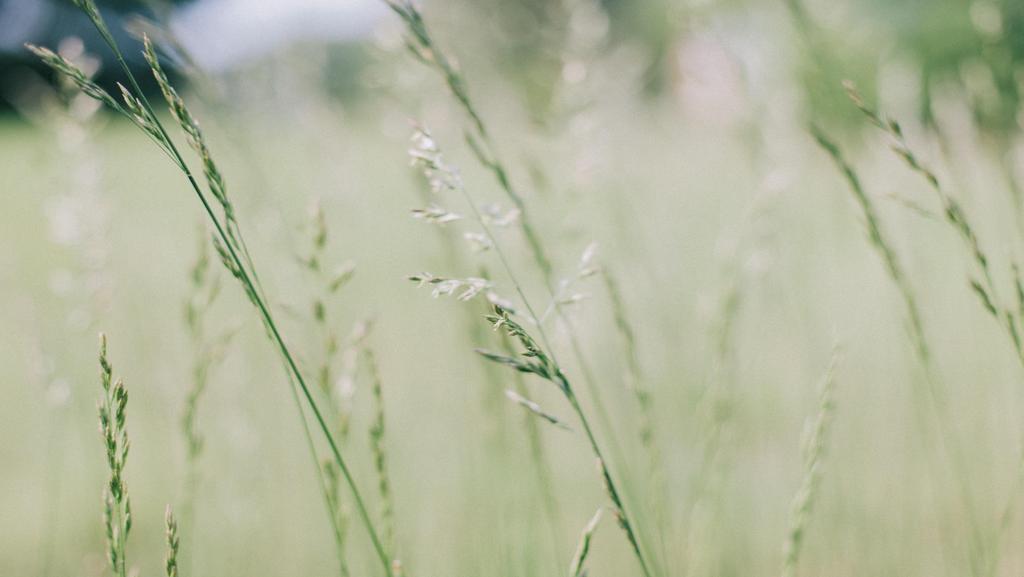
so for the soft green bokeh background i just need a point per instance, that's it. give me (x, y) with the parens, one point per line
(711, 182)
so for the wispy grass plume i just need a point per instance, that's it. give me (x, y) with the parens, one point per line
(438, 179)
(424, 48)
(538, 358)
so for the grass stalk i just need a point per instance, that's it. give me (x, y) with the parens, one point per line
(1009, 317)
(935, 396)
(421, 44)
(428, 155)
(227, 237)
(327, 284)
(544, 365)
(117, 511)
(814, 448)
(477, 336)
(719, 398)
(638, 386)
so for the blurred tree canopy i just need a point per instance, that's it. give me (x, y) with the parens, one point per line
(975, 45)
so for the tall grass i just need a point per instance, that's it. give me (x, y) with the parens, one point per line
(424, 48)
(227, 239)
(454, 258)
(1008, 312)
(814, 446)
(117, 507)
(719, 399)
(540, 360)
(934, 394)
(117, 510)
(689, 469)
(335, 383)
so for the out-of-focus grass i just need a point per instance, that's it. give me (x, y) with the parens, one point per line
(669, 193)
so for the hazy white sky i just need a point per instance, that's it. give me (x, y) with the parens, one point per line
(224, 33)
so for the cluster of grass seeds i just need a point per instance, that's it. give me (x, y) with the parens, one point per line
(537, 357)
(422, 45)
(462, 289)
(171, 564)
(424, 48)
(227, 237)
(814, 447)
(440, 178)
(117, 509)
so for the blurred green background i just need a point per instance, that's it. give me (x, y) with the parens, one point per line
(672, 133)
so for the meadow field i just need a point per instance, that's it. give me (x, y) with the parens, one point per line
(767, 332)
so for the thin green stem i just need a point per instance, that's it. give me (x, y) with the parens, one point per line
(567, 389)
(426, 50)
(935, 396)
(613, 491)
(246, 277)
